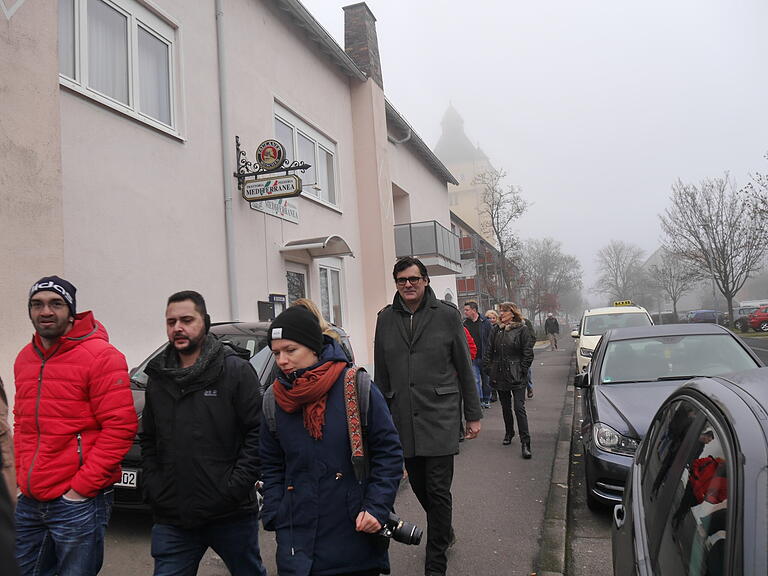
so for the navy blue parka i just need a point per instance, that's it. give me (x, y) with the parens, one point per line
(311, 495)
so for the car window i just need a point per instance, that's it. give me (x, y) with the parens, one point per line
(685, 492)
(598, 324)
(669, 357)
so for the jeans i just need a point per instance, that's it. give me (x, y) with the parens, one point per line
(530, 378)
(62, 537)
(430, 478)
(505, 398)
(476, 368)
(178, 551)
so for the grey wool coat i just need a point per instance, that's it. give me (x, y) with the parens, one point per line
(424, 374)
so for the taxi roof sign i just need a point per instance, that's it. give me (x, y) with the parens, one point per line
(623, 303)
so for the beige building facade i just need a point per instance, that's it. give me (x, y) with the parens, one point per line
(119, 157)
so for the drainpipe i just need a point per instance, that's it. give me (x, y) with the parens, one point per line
(227, 167)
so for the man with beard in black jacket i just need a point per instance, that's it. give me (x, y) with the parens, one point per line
(200, 447)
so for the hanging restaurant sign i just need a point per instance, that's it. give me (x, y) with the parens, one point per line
(266, 188)
(260, 180)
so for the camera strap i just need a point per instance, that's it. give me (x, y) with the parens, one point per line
(355, 426)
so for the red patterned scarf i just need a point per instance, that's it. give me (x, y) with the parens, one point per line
(310, 392)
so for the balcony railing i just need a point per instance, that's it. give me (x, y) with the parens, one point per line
(432, 243)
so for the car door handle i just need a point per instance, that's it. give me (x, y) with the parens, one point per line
(618, 515)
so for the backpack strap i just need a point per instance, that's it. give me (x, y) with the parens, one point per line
(268, 409)
(354, 424)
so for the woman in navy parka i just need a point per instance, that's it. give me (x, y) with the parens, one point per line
(326, 521)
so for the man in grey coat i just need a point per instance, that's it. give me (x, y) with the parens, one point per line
(423, 368)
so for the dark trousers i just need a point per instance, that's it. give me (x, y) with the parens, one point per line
(178, 551)
(430, 478)
(505, 398)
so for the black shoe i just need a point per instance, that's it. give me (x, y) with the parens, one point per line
(527, 450)
(508, 439)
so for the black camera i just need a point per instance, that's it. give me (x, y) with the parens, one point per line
(400, 530)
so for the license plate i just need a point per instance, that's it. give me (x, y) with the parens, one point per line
(128, 479)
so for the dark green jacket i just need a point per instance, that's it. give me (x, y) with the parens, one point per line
(424, 374)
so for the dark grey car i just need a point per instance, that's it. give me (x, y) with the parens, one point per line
(697, 492)
(633, 370)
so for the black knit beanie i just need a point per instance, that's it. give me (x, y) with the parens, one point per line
(55, 284)
(297, 324)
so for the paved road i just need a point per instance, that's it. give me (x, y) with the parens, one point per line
(589, 533)
(499, 498)
(759, 345)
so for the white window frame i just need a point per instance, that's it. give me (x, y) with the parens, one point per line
(313, 191)
(329, 265)
(140, 14)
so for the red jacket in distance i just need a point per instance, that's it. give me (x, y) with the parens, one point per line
(74, 418)
(471, 344)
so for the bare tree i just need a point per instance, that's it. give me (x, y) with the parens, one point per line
(501, 206)
(674, 276)
(620, 267)
(548, 274)
(717, 229)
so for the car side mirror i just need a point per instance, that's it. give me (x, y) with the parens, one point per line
(575, 334)
(581, 380)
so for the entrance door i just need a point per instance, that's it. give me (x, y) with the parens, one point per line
(296, 280)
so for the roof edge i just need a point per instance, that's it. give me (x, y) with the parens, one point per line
(320, 36)
(415, 141)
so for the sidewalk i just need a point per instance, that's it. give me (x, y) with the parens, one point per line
(500, 500)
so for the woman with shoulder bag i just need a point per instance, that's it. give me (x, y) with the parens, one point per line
(507, 360)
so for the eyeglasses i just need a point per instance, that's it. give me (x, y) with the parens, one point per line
(37, 305)
(412, 279)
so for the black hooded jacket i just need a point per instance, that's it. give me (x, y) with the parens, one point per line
(200, 437)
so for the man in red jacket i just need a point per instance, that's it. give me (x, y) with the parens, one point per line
(73, 422)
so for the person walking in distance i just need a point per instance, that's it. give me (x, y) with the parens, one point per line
(422, 367)
(200, 447)
(507, 359)
(74, 421)
(552, 329)
(480, 329)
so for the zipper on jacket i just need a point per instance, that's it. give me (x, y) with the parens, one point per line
(290, 489)
(37, 411)
(79, 448)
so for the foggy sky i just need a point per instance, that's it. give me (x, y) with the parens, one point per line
(593, 107)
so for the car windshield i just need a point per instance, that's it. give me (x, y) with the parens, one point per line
(672, 357)
(597, 324)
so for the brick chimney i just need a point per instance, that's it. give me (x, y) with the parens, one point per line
(360, 42)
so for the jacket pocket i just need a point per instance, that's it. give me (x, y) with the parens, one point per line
(443, 390)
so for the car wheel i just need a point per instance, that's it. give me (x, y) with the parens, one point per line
(764, 326)
(741, 326)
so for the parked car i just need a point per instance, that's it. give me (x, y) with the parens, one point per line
(697, 497)
(707, 317)
(758, 320)
(250, 336)
(633, 370)
(742, 317)
(596, 321)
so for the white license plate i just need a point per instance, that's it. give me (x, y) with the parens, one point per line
(128, 479)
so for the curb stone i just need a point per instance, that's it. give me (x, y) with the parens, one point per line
(552, 550)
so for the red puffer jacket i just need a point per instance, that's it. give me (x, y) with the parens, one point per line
(74, 419)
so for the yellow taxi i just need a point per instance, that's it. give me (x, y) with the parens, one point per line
(595, 321)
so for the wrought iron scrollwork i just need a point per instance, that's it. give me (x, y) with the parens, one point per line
(248, 169)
